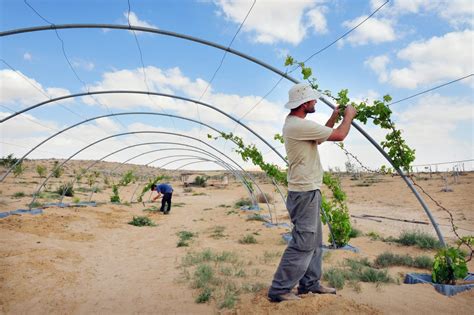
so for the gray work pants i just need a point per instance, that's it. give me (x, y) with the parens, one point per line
(302, 259)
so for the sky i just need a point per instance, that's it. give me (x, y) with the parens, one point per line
(406, 47)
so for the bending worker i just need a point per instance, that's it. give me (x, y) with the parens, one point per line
(167, 191)
(302, 260)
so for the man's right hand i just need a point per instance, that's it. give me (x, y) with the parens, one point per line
(350, 112)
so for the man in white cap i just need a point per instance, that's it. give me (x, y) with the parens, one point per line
(301, 262)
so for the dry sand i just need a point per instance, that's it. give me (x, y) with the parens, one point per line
(88, 260)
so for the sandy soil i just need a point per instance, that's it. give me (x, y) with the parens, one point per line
(88, 260)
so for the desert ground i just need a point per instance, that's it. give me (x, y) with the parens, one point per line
(89, 260)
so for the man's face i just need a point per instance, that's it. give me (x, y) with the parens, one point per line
(309, 108)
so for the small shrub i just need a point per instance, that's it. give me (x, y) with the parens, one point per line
(218, 232)
(270, 256)
(65, 190)
(243, 202)
(18, 169)
(141, 221)
(374, 275)
(152, 209)
(256, 217)
(230, 296)
(199, 194)
(41, 170)
(240, 273)
(261, 198)
(187, 189)
(420, 239)
(201, 181)
(204, 296)
(115, 197)
(19, 194)
(76, 200)
(335, 278)
(423, 262)
(184, 237)
(203, 276)
(252, 288)
(387, 259)
(374, 236)
(35, 204)
(355, 233)
(8, 161)
(57, 170)
(248, 239)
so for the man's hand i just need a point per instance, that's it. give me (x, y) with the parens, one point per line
(333, 119)
(350, 112)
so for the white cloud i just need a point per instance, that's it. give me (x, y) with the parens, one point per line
(433, 124)
(83, 64)
(457, 13)
(172, 81)
(373, 30)
(275, 21)
(18, 88)
(135, 21)
(436, 59)
(27, 56)
(25, 125)
(379, 65)
(318, 20)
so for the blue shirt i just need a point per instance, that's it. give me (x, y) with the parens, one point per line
(164, 188)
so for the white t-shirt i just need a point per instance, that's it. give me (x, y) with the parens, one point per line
(302, 137)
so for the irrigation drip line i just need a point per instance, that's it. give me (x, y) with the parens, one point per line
(69, 62)
(310, 57)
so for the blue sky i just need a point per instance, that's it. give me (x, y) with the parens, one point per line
(405, 48)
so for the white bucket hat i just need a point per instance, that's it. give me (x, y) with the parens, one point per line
(301, 93)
